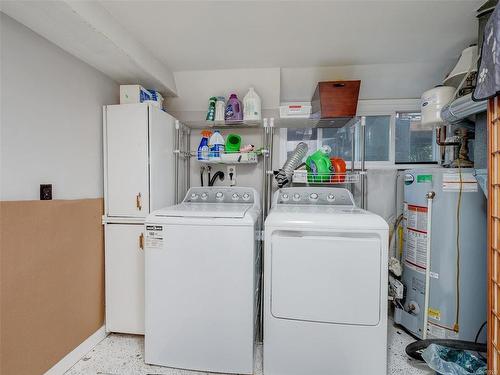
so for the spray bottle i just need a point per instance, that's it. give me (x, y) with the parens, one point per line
(203, 149)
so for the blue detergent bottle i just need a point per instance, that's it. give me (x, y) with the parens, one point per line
(203, 150)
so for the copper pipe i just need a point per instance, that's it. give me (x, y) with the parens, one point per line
(444, 143)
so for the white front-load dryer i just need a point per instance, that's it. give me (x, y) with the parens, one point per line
(325, 285)
(202, 276)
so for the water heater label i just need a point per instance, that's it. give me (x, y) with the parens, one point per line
(416, 218)
(416, 237)
(451, 183)
(422, 178)
(434, 313)
(416, 250)
(440, 332)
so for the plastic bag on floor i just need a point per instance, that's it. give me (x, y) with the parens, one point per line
(448, 361)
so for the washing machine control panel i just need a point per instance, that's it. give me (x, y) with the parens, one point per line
(220, 195)
(315, 196)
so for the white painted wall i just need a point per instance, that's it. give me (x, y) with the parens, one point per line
(87, 31)
(378, 81)
(194, 88)
(275, 85)
(51, 118)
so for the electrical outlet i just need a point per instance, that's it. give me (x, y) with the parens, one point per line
(45, 192)
(231, 174)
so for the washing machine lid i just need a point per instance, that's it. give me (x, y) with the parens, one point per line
(207, 210)
(340, 217)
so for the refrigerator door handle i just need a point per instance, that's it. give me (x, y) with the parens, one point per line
(138, 201)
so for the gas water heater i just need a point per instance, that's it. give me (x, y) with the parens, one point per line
(444, 255)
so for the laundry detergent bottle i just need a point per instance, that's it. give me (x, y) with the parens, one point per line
(251, 106)
(216, 146)
(203, 150)
(234, 110)
(319, 165)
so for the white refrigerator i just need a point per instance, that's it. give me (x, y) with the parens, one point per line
(138, 179)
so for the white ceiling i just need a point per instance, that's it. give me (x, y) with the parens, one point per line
(201, 35)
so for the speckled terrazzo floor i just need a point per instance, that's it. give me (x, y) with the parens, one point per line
(123, 355)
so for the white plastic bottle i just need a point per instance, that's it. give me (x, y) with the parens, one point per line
(251, 106)
(216, 146)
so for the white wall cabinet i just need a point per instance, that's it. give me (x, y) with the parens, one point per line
(138, 179)
(124, 259)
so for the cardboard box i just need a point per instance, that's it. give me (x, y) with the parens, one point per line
(134, 94)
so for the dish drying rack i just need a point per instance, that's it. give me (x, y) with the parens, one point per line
(302, 176)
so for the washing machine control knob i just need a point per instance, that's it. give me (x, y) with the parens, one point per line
(330, 197)
(219, 195)
(204, 196)
(285, 197)
(246, 196)
(296, 197)
(235, 197)
(313, 197)
(194, 196)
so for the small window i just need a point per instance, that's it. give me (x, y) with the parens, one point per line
(414, 143)
(340, 139)
(377, 138)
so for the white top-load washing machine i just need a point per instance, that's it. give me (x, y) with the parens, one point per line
(202, 275)
(325, 285)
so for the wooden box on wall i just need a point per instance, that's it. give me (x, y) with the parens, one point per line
(335, 99)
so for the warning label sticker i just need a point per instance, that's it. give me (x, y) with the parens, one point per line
(154, 237)
(434, 313)
(416, 237)
(416, 250)
(439, 332)
(416, 218)
(451, 182)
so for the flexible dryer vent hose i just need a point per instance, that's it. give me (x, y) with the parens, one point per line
(284, 175)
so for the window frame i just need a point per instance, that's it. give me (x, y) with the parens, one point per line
(374, 107)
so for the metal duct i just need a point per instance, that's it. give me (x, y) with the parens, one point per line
(462, 108)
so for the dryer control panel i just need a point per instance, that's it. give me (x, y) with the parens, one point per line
(319, 196)
(220, 194)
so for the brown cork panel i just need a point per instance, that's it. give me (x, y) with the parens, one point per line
(52, 281)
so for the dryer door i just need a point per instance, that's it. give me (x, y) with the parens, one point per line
(326, 277)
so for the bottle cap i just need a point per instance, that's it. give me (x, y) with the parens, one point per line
(206, 133)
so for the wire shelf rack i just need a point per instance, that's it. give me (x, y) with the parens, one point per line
(251, 157)
(302, 176)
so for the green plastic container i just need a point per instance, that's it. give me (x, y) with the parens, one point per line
(319, 165)
(233, 143)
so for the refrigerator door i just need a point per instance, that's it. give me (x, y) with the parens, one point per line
(161, 158)
(126, 160)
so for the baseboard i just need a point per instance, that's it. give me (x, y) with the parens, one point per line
(74, 356)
